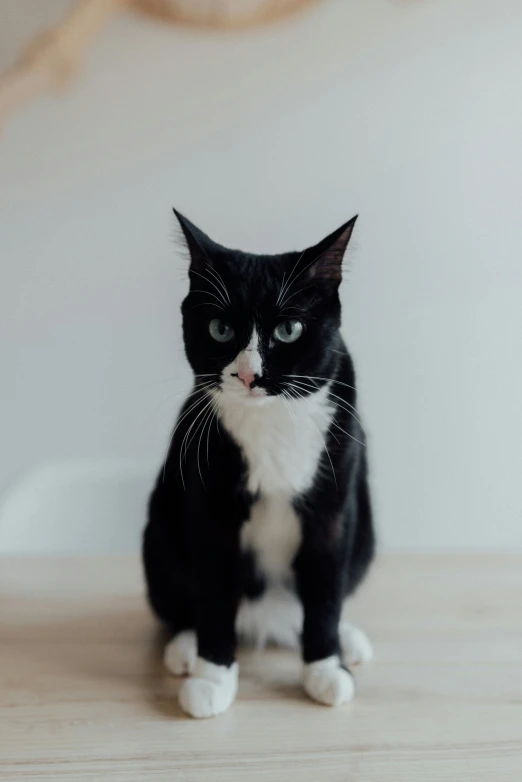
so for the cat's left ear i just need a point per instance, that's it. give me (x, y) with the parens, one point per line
(201, 247)
(325, 260)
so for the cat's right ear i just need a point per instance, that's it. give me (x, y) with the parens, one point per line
(200, 246)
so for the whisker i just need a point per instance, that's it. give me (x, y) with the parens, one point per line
(299, 310)
(286, 397)
(320, 411)
(187, 433)
(221, 301)
(193, 405)
(188, 442)
(188, 394)
(219, 278)
(216, 410)
(344, 401)
(188, 377)
(185, 414)
(351, 409)
(193, 271)
(303, 388)
(334, 423)
(207, 418)
(207, 304)
(195, 390)
(304, 288)
(302, 270)
(345, 405)
(171, 397)
(327, 453)
(284, 287)
(326, 380)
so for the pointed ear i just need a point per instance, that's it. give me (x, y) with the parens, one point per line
(324, 261)
(200, 246)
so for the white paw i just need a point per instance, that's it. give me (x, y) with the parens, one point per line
(181, 653)
(355, 644)
(210, 691)
(326, 682)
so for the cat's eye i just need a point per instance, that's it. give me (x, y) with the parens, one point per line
(220, 331)
(288, 331)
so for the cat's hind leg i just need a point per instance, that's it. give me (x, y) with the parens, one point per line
(355, 644)
(167, 577)
(181, 653)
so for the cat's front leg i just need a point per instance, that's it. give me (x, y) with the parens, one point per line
(319, 576)
(212, 688)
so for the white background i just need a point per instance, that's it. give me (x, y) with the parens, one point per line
(409, 113)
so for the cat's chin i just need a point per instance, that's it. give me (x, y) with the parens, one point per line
(255, 398)
(257, 401)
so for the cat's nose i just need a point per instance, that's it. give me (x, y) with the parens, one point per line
(247, 377)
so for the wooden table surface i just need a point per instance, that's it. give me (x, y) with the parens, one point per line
(83, 694)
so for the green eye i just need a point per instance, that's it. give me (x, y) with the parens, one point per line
(288, 331)
(220, 331)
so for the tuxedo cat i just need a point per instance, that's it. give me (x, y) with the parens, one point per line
(260, 522)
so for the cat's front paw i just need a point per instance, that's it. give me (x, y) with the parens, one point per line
(325, 681)
(181, 653)
(210, 691)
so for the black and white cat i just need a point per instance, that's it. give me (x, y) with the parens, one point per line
(260, 523)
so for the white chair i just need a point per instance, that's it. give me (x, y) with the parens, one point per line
(96, 506)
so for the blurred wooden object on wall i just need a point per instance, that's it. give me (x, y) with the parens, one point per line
(224, 14)
(52, 59)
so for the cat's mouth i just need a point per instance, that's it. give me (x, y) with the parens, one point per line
(248, 393)
(250, 384)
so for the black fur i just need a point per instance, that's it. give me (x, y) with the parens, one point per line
(196, 572)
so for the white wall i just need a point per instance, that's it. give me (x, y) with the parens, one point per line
(408, 113)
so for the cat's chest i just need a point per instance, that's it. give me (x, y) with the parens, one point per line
(281, 441)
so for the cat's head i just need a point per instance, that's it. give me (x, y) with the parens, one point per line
(251, 322)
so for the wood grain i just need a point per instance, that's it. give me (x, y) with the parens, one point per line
(83, 695)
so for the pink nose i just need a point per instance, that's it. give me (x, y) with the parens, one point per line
(247, 377)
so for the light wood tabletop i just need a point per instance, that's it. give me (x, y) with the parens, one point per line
(83, 694)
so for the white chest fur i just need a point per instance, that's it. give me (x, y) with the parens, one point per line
(273, 533)
(282, 441)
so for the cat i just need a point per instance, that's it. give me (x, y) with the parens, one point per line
(260, 522)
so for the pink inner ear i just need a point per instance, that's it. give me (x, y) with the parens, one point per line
(330, 253)
(329, 265)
